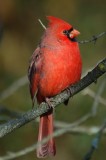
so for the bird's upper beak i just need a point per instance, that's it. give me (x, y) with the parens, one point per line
(74, 33)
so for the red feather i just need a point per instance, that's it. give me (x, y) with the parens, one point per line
(45, 129)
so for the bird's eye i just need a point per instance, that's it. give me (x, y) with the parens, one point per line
(67, 32)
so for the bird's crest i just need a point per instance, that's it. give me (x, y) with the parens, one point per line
(57, 21)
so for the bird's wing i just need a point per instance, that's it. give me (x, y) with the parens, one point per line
(34, 72)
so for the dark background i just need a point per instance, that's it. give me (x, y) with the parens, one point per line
(20, 33)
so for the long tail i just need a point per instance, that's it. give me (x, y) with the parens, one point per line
(45, 129)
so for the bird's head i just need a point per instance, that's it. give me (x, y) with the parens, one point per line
(61, 29)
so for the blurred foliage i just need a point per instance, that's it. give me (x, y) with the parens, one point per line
(20, 33)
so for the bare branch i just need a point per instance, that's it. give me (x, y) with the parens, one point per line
(42, 24)
(88, 91)
(95, 143)
(14, 87)
(93, 39)
(91, 77)
(96, 100)
(11, 113)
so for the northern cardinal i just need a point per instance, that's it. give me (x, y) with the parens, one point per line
(55, 64)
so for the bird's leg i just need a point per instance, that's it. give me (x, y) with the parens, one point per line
(69, 91)
(47, 100)
(33, 101)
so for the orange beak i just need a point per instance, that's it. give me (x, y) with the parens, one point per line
(74, 33)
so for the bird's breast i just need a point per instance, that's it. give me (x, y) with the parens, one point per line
(61, 67)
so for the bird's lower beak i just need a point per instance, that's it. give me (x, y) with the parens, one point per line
(74, 33)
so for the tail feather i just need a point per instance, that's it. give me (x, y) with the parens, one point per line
(46, 129)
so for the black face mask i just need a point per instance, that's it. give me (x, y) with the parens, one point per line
(67, 33)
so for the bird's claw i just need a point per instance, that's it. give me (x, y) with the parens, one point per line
(69, 91)
(47, 100)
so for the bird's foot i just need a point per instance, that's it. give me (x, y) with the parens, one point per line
(69, 91)
(47, 100)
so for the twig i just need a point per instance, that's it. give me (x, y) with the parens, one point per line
(95, 143)
(88, 91)
(14, 87)
(96, 100)
(93, 39)
(91, 77)
(5, 111)
(42, 24)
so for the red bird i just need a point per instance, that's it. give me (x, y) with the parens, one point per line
(55, 64)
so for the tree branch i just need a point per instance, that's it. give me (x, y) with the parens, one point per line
(88, 91)
(96, 100)
(95, 142)
(91, 77)
(14, 87)
(93, 39)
